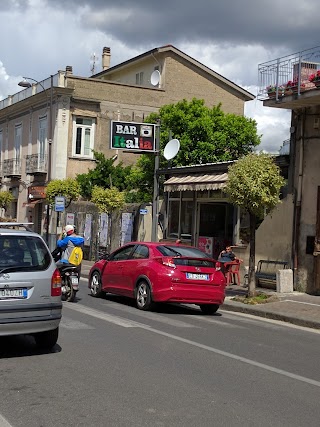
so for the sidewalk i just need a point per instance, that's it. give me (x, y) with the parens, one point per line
(296, 308)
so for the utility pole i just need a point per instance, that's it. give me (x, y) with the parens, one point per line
(155, 204)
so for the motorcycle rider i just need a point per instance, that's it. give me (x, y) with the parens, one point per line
(67, 242)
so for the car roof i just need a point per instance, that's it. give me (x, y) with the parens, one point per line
(21, 228)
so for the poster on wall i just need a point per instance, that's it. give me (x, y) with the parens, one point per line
(70, 219)
(126, 228)
(205, 244)
(87, 230)
(103, 231)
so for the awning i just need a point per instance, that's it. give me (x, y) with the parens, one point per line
(196, 182)
(32, 203)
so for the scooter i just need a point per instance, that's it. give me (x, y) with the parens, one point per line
(70, 281)
(69, 277)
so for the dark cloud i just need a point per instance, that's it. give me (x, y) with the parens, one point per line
(286, 23)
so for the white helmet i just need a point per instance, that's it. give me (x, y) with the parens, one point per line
(69, 229)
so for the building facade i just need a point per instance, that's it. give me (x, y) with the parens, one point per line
(295, 79)
(48, 130)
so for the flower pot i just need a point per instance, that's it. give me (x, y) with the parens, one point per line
(288, 91)
(317, 83)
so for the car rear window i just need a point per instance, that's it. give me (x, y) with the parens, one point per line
(185, 252)
(23, 252)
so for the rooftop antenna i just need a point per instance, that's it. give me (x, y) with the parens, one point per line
(93, 61)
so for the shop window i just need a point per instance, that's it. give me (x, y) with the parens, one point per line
(186, 219)
(173, 225)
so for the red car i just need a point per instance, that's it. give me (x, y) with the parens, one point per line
(152, 272)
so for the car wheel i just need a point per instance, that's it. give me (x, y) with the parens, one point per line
(209, 308)
(143, 296)
(48, 339)
(95, 284)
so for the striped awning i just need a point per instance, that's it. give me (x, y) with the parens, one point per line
(196, 182)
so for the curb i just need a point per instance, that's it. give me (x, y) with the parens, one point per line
(269, 314)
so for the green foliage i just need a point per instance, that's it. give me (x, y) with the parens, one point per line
(107, 199)
(104, 175)
(69, 188)
(5, 199)
(206, 135)
(254, 183)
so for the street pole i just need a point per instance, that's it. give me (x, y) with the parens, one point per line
(49, 158)
(155, 204)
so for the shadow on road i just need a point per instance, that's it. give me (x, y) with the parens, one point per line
(22, 346)
(165, 308)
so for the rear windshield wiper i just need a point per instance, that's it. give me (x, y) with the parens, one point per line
(17, 268)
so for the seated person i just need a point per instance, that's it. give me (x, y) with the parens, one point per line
(227, 255)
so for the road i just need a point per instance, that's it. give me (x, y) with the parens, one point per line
(117, 366)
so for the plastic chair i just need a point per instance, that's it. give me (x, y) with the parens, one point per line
(232, 272)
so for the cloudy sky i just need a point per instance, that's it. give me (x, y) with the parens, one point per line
(40, 37)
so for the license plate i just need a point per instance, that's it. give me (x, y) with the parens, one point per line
(74, 280)
(197, 276)
(13, 293)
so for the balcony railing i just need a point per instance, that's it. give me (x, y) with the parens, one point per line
(36, 164)
(296, 68)
(11, 167)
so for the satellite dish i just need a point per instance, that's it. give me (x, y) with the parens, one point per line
(155, 78)
(171, 149)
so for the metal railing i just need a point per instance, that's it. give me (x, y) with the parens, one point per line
(11, 167)
(36, 163)
(290, 73)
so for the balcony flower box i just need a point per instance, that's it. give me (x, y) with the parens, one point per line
(315, 78)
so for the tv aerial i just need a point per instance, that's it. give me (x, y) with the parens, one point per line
(171, 149)
(155, 78)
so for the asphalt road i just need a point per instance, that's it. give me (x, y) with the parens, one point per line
(117, 366)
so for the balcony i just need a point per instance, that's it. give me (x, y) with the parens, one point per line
(36, 164)
(295, 68)
(11, 168)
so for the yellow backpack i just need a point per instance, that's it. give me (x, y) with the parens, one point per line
(76, 256)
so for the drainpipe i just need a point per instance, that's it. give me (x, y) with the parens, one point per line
(299, 195)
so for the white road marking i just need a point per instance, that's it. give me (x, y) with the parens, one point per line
(69, 323)
(256, 319)
(149, 315)
(300, 302)
(214, 320)
(104, 316)
(4, 422)
(127, 323)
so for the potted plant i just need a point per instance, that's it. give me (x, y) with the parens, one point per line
(315, 78)
(272, 91)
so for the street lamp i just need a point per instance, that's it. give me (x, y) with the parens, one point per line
(26, 84)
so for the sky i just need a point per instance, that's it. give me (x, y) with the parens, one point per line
(41, 37)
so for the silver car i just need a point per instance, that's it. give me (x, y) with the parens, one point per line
(30, 286)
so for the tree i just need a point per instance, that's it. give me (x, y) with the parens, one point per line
(104, 175)
(254, 184)
(206, 135)
(108, 200)
(69, 188)
(5, 199)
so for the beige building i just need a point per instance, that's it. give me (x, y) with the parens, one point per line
(48, 130)
(295, 80)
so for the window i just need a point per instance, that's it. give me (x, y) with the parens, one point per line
(141, 251)
(42, 135)
(83, 137)
(17, 142)
(139, 78)
(122, 254)
(1, 143)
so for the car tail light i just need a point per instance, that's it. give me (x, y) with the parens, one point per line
(218, 265)
(168, 262)
(56, 284)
